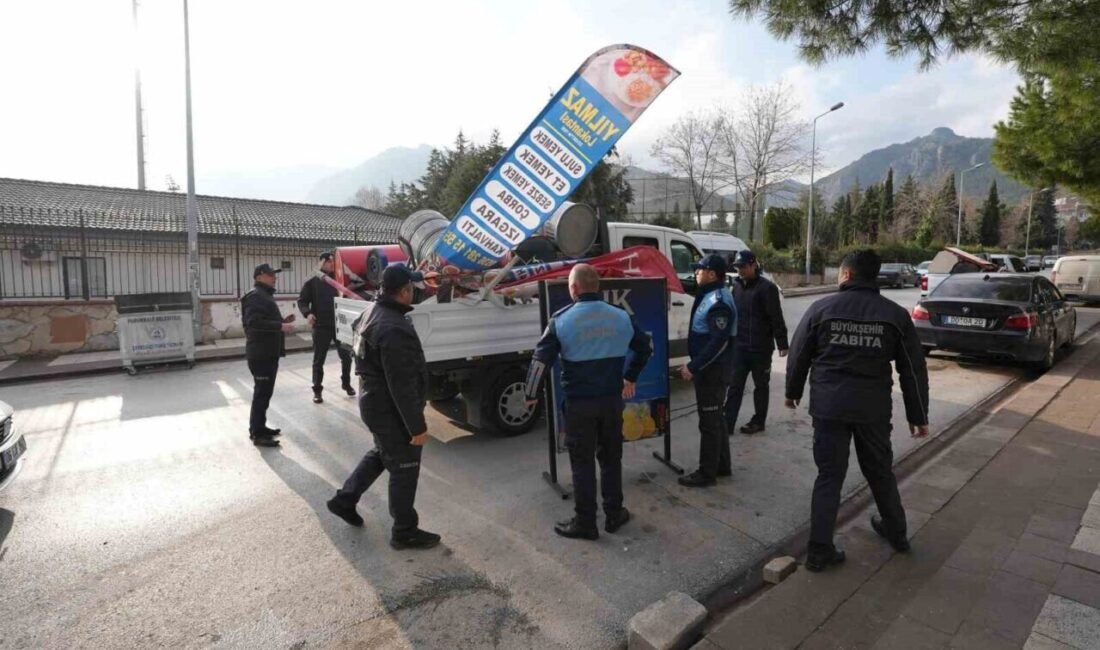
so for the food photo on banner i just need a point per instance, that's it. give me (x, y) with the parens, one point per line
(646, 299)
(552, 157)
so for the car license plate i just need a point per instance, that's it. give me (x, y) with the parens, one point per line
(964, 321)
(12, 454)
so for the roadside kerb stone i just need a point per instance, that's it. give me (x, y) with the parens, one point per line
(673, 622)
(778, 569)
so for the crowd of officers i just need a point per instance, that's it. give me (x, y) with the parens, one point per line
(848, 345)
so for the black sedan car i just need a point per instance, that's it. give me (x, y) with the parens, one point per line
(12, 446)
(997, 315)
(898, 276)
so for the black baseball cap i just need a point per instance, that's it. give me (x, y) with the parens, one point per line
(711, 262)
(265, 268)
(744, 258)
(396, 276)
(327, 255)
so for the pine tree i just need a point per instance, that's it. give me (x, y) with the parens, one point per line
(841, 218)
(866, 215)
(886, 212)
(990, 225)
(947, 211)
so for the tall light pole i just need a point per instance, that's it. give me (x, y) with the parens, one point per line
(1030, 209)
(191, 205)
(813, 160)
(959, 224)
(137, 101)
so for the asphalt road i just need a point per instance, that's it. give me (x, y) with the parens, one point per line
(144, 517)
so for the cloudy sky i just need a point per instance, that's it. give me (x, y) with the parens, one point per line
(329, 83)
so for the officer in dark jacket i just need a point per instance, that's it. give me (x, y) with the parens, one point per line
(760, 329)
(710, 346)
(393, 392)
(265, 332)
(592, 338)
(316, 303)
(849, 341)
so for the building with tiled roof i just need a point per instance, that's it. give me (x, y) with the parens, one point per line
(133, 241)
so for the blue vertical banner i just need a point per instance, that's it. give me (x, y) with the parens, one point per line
(646, 415)
(554, 155)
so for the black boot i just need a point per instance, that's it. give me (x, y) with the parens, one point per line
(574, 530)
(263, 440)
(349, 390)
(317, 399)
(272, 432)
(344, 511)
(696, 479)
(753, 427)
(818, 558)
(414, 539)
(616, 521)
(900, 543)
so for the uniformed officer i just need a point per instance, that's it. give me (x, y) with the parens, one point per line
(393, 392)
(761, 329)
(849, 340)
(710, 345)
(265, 332)
(592, 338)
(316, 302)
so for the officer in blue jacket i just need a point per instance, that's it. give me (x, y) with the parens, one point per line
(710, 346)
(592, 338)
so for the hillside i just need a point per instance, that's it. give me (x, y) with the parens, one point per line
(397, 165)
(928, 159)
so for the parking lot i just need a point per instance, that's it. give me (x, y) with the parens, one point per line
(144, 516)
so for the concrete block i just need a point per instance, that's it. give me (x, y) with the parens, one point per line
(673, 622)
(779, 568)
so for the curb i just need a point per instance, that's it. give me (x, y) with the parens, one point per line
(797, 292)
(750, 580)
(114, 366)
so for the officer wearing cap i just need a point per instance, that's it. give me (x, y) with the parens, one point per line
(760, 330)
(316, 302)
(593, 339)
(393, 392)
(849, 340)
(265, 332)
(710, 346)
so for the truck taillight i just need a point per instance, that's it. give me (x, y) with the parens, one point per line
(920, 313)
(1022, 321)
(924, 283)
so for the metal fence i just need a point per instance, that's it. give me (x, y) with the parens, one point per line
(85, 261)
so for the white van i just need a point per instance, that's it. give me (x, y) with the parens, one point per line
(1078, 277)
(723, 244)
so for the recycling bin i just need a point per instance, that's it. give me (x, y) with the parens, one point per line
(155, 329)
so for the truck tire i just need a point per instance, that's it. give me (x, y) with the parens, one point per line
(503, 407)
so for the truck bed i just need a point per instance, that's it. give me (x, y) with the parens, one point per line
(455, 332)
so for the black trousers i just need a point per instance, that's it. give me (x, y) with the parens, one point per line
(323, 338)
(594, 432)
(714, 444)
(263, 372)
(876, 459)
(759, 365)
(392, 453)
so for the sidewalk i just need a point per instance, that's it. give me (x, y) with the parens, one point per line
(82, 363)
(1005, 527)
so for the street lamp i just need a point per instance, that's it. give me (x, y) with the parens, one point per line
(813, 159)
(1030, 209)
(959, 224)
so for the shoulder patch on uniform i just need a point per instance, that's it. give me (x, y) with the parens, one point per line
(721, 322)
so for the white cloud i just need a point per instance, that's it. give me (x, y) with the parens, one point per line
(331, 82)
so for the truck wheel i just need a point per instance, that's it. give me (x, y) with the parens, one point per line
(503, 404)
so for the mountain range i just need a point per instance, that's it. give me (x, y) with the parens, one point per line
(928, 158)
